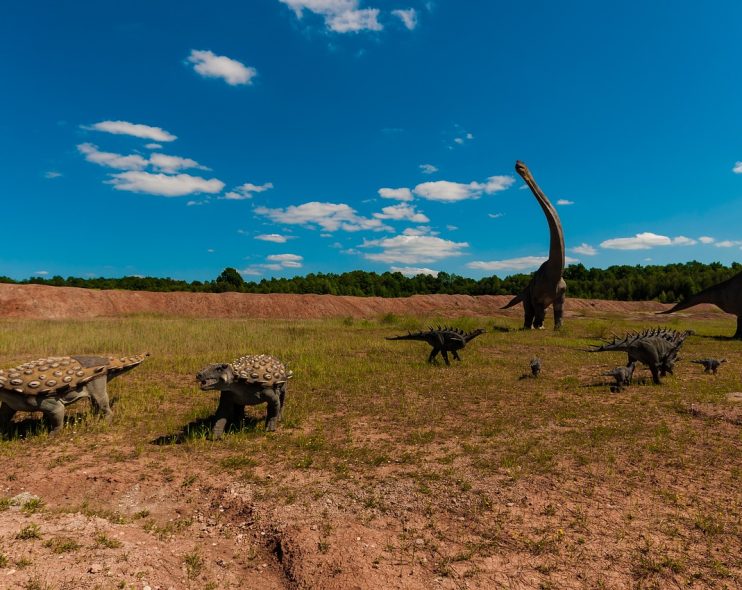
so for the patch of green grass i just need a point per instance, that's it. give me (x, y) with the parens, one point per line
(194, 564)
(32, 531)
(32, 506)
(62, 545)
(103, 540)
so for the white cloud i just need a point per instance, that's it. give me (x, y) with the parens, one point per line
(420, 230)
(645, 241)
(585, 249)
(245, 191)
(706, 240)
(41, 272)
(172, 164)
(428, 168)
(522, 263)
(251, 271)
(728, 243)
(459, 140)
(276, 238)
(400, 212)
(565, 202)
(111, 160)
(446, 191)
(401, 194)
(153, 146)
(495, 215)
(413, 249)
(51, 174)
(469, 136)
(413, 271)
(163, 184)
(285, 260)
(329, 216)
(737, 168)
(341, 16)
(134, 129)
(210, 65)
(407, 16)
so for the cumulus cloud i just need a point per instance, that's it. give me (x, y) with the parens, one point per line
(522, 263)
(585, 249)
(341, 16)
(706, 240)
(402, 211)
(737, 168)
(153, 146)
(728, 243)
(408, 17)
(420, 230)
(51, 174)
(401, 194)
(111, 160)
(172, 164)
(276, 238)
(286, 260)
(413, 249)
(210, 65)
(645, 241)
(495, 215)
(446, 191)
(246, 191)
(164, 185)
(413, 271)
(328, 216)
(428, 168)
(565, 202)
(133, 129)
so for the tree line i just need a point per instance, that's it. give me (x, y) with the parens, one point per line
(667, 284)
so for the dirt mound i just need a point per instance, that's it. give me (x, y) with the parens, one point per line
(44, 302)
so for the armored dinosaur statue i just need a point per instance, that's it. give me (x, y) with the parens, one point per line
(49, 384)
(710, 365)
(535, 366)
(443, 341)
(622, 375)
(657, 348)
(248, 381)
(547, 287)
(727, 296)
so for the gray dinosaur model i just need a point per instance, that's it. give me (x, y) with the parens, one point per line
(657, 348)
(622, 375)
(535, 366)
(443, 341)
(710, 365)
(547, 287)
(727, 295)
(248, 381)
(49, 384)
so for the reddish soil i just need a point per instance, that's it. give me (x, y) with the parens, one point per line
(42, 302)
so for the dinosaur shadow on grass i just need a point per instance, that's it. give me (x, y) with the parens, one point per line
(202, 427)
(32, 425)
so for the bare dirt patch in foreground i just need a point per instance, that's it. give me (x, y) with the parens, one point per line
(386, 472)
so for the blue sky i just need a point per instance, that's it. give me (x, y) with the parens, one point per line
(284, 137)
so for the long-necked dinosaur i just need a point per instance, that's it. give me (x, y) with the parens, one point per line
(547, 287)
(726, 295)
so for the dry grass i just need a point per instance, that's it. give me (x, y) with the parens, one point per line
(553, 476)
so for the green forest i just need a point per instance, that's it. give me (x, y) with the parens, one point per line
(667, 284)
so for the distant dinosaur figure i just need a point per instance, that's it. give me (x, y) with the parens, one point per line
(535, 366)
(547, 286)
(622, 375)
(710, 365)
(657, 348)
(727, 295)
(443, 340)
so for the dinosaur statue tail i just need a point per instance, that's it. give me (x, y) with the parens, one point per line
(410, 336)
(514, 301)
(120, 365)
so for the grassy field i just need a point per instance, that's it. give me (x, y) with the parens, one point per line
(469, 476)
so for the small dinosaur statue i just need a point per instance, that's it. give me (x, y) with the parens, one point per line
(50, 384)
(710, 365)
(443, 341)
(547, 286)
(535, 366)
(657, 348)
(727, 295)
(622, 375)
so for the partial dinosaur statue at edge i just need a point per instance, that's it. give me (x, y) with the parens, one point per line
(726, 295)
(547, 287)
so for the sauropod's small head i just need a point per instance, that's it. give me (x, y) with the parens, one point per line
(522, 169)
(214, 376)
